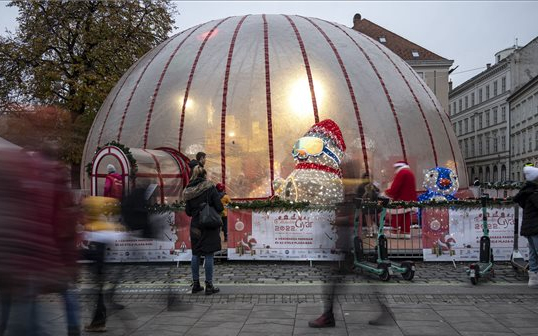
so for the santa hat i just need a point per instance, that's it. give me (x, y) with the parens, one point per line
(530, 173)
(110, 169)
(330, 129)
(399, 164)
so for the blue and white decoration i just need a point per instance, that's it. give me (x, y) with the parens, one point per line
(440, 183)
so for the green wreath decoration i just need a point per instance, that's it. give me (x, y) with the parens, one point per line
(126, 150)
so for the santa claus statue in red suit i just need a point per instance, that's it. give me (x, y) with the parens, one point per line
(402, 188)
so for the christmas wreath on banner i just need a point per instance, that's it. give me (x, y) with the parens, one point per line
(126, 150)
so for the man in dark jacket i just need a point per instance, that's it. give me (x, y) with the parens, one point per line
(204, 242)
(527, 198)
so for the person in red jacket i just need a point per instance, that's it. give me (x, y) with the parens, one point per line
(402, 188)
(113, 183)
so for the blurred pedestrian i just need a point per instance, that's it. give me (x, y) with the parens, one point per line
(101, 228)
(527, 198)
(368, 191)
(37, 241)
(225, 200)
(204, 241)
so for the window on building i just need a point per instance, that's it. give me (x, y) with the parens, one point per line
(487, 117)
(494, 88)
(454, 107)
(459, 105)
(466, 142)
(487, 92)
(503, 113)
(536, 140)
(530, 141)
(472, 146)
(523, 149)
(455, 128)
(382, 39)
(479, 95)
(494, 116)
(472, 124)
(487, 138)
(466, 123)
(503, 140)
(415, 53)
(480, 121)
(479, 145)
(421, 74)
(460, 127)
(472, 98)
(503, 85)
(449, 109)
(466, 102)
(495, 144)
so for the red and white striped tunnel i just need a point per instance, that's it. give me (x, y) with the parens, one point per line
(244, 89)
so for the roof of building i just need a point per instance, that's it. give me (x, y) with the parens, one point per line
(530, 84)
(402, 47)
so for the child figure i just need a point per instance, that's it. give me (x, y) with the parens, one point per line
(225, 199)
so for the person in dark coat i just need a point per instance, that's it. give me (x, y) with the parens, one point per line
(527, 198)
(204, 242)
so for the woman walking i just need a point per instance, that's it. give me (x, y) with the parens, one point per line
(204, 241)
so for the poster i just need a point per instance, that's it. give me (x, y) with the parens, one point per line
(454, 234)
(287, 235)
(172, 242)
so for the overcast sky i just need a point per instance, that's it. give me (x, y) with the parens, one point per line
(468, 32)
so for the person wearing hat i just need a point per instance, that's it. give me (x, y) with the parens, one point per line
(527, 198)
(113, 183)
(402, 188)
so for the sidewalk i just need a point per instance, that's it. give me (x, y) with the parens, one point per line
(280, 298)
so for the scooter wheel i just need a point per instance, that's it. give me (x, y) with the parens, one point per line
(385, 276)
(408, 275)
(474, 280)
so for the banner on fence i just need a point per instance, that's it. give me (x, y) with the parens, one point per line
(454, 234)
(172, 241)
(287, 235)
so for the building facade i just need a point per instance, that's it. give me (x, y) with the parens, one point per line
(432, 68)
(480, 113)
(524, 127)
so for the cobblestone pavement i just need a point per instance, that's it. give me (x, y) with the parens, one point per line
(278, 298)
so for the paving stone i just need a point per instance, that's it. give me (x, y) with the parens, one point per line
(426, 328)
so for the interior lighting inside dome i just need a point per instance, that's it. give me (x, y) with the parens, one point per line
(300, 98)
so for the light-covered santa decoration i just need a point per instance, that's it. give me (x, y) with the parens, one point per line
(440, 183)
(317, 177)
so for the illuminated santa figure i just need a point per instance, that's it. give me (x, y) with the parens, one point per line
(317, 177)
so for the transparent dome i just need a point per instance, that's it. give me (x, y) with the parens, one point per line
(244, 89)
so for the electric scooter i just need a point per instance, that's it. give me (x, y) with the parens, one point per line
(516, 259)
(484, 267)
(380, 265)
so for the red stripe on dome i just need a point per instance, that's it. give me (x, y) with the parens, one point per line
(159, 83)
(268, 101)
(136, 86)
(225, 100)
(351, 91)
(387, 94)
(159, 176)
(414, 97)
(191, 77)
(307, 67)
(110, 106)
(440, 117)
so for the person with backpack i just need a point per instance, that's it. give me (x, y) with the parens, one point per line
(113, 183)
